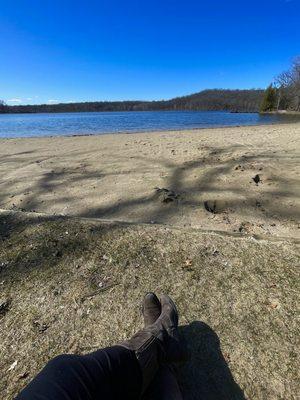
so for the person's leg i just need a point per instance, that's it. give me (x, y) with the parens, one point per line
(112, 373)
(158, 343)
(164, 386)
(123, 371)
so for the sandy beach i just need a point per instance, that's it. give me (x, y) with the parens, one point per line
(208, 176)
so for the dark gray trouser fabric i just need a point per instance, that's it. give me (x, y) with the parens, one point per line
(111, 374)
(164, 386)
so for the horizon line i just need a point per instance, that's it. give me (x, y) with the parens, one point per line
(54, 103)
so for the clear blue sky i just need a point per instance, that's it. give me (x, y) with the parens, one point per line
(74, 50)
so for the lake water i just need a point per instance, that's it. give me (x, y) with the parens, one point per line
(97, 123)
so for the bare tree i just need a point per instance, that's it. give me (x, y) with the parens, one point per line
(288, 86)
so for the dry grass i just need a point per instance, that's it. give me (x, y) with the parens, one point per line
(74, 285)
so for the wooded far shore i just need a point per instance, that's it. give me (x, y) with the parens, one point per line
(206, 100)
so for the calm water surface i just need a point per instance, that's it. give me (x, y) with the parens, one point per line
(97, 123)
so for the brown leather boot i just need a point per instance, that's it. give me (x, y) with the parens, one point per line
(176, 351)
(159, 342)
(164, 385)
(151, 308)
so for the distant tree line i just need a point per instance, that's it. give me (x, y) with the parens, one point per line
(207, 100)
(284, 92)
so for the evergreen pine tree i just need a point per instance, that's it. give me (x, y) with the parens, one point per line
(269, 99)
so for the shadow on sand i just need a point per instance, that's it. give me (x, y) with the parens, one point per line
(274, 198)
(207, 375)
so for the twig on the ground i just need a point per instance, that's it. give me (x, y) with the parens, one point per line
(98, 291)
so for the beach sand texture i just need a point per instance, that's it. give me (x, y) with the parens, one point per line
(208, 175)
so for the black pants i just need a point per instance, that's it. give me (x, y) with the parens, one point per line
(112, 374)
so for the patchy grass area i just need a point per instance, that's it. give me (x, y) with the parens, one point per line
(73, 285)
